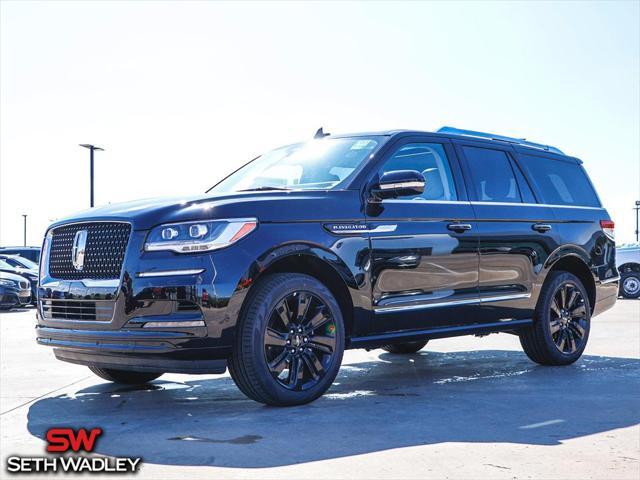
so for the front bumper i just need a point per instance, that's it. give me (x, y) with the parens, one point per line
(15, 298)
(164, 322)
(157, 351)
(141, 363)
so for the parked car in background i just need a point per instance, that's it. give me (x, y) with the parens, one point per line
(23, 267)
(628, 262)
(14, 291)
(19, 261)
(32, 253)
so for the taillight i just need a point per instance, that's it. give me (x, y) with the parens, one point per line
(609, 228)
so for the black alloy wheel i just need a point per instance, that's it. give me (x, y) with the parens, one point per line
(299, 340)
(568, 318)
(289, 342)
(561, 323)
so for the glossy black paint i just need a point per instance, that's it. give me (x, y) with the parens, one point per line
(401, 269)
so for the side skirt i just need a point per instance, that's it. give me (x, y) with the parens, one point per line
(372, 341)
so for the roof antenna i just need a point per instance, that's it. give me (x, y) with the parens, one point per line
(320, 134)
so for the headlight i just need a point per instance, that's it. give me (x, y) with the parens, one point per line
(199, 236)
(8, 283)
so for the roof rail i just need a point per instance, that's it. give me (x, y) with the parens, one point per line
(500, 138)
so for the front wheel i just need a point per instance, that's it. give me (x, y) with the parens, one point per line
(630, 285)
(126, 377)
(409, 347)
(290, 341)
(562, 321)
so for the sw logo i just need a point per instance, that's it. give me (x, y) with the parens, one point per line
(66, 440)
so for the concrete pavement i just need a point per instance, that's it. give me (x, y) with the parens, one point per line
(463, 407)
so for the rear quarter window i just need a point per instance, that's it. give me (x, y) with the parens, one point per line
(560, 182)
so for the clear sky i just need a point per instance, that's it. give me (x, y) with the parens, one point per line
(180, 93)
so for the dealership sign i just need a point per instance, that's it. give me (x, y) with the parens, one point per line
(65, 440)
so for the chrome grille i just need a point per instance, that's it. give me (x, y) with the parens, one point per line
(104, 253)
(99, 311)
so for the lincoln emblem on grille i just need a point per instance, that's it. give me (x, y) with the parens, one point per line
(77, 251)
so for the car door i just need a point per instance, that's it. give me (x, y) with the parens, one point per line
(516, 233)
(424, 250)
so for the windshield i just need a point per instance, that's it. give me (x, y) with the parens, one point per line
(21, 262)
(5, 265)
(319, 164)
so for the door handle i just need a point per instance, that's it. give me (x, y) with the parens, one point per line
(541, 227)
(459, 227)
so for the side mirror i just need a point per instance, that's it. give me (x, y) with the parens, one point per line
(398, 183)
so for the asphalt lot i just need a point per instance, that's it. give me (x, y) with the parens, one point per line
(462, 408)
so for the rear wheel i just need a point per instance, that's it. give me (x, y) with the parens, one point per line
(409, 347)
(126, 377)
(630, 285)
(290, 341)
(562, 322)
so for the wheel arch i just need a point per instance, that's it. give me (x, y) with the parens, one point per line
(576, 264)
(629, 267)
(322, 264)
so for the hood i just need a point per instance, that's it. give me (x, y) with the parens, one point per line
(28, 272)
(266, 206)
(12, 276)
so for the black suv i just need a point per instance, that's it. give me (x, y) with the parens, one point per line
(352, 241)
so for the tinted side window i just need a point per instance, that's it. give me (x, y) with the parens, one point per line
(492, 177)
(523, 185)
(429, 159)
(560, 182)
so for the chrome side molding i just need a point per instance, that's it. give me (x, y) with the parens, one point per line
(453, 303)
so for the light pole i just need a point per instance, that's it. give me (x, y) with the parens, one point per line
(637, 208)
(24, 216)
(91, 148)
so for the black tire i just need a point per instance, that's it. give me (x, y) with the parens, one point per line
(409, 347)
(126, 377)
(630, 285)
(256, 365)
(560, 331)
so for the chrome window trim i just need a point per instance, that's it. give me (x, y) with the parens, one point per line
(451, 303)
(552, 205)
(421, 200)
(474, 202)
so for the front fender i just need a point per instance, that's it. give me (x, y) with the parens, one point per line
(240, 269)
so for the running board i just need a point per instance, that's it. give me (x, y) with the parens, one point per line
(370, 341)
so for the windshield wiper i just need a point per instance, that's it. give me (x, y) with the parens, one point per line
(262, 189)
